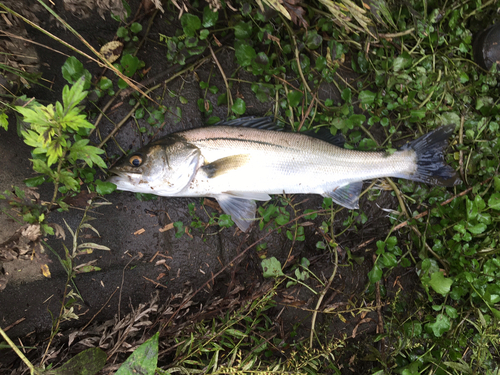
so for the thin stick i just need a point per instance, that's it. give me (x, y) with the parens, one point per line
(321, 296)
(97, 313)
(461, 152)
(228, 90)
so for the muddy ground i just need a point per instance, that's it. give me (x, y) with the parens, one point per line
(131, 272)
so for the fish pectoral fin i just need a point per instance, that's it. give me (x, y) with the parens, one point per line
(347, 195)
(224, 165)
(249, 195)
(242, 211)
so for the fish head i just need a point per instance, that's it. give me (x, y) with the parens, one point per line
(165, 167)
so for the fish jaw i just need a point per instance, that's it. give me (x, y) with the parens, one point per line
(133, 182)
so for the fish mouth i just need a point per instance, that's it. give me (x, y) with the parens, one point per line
(123, 179)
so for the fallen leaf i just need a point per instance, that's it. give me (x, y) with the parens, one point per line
(379, 9)
(80, 200)
(296, 12)
(112, 50)
(32, 232)
(59, 231)
(166, 227)
(45, 270)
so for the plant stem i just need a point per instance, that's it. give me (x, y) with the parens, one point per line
(18, 352)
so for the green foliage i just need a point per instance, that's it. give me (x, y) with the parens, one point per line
(56, 134)
(73, 71)
(143, 360)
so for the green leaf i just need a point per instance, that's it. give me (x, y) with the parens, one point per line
(73, 96)
(130, 64)
(440, 325)
(222, 99)
(143, 360)
(294, 97)
(4, 120)
(209, 17)
(477, 229)
(204, 34)
(190, 23)
(34, 181)
(347, 96)
(243, 30)
(179, 229)
(41, 166)
(312, 216)
(494, 201)
(136, 27)
(235, 333)
(312, 39)
(402, 61)
(239, 107)
(440, 284)
(225, 221)
(105, 83)
(417, 114)
(122, 32)
(88, 362)
(271, 267)
(375, 274)
(72, 70)
(496, 181)
(367, 97)
(389, 260)
(244, 54)
(451, 312)
(90, 154)
(104, 187)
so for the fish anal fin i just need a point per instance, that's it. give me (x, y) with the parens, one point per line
(347, 195)
(242, 211)
(224, 165)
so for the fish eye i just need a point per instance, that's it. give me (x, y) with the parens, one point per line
(135, 160)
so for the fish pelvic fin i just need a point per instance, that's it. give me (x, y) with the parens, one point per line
(347, 195)
(431, 166)
(242, 211)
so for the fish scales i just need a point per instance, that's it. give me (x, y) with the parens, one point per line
(288, 162)
(238, 165)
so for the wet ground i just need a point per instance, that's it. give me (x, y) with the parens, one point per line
(144, 259)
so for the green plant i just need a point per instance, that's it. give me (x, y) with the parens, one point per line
(62, 152)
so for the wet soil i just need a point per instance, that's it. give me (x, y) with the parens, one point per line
(153, 261)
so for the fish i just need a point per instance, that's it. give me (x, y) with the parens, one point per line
(241, 161)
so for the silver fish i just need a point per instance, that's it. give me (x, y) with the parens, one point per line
(244, 160)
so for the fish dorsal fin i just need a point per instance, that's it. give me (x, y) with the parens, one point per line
(325, 135)
(224, 165)
(347, 195)
(266, 123)
(242, 211)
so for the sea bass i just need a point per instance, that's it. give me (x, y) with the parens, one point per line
(242, 161)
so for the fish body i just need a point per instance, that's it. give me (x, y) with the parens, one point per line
(243, 160)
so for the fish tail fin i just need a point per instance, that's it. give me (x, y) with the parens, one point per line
(431, 166)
